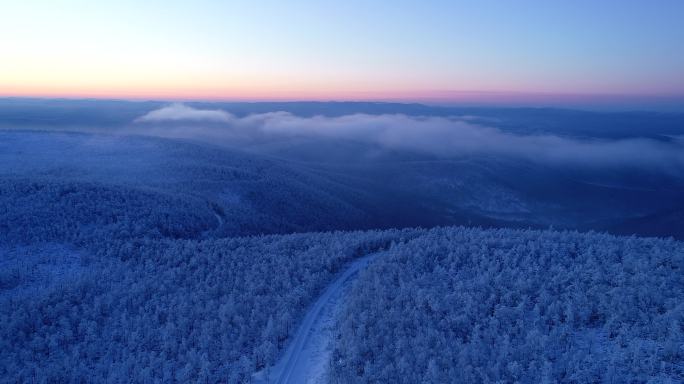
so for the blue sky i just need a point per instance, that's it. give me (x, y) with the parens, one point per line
(211, 49)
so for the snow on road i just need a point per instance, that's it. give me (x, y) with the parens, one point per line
(306, 358)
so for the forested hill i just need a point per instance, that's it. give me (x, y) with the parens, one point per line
(126, 257)
(158, 186)
(559, 306)
(458, 305)
(208, 190)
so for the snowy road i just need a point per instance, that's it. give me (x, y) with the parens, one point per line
(306, 358)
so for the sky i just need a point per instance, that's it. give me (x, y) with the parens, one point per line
(441, 51)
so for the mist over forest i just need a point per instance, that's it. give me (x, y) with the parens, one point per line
(607, 171)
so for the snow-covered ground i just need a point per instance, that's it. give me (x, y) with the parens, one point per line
(306, 358)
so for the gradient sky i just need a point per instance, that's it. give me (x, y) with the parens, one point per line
(352, 49)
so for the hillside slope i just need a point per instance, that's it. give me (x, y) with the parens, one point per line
(230, 192)
(163, 310)
(467, 305)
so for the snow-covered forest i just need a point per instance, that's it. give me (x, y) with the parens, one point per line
(474, 306)
(110, 273)
(131, 258)
(196, 187)
(165, 310)
(442, 305)
(342, 192)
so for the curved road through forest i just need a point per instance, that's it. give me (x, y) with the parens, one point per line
(306, 358)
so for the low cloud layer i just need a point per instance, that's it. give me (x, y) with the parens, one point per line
(438, 136)
(181, 112)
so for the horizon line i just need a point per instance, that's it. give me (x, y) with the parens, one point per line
(667, 102)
